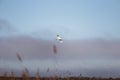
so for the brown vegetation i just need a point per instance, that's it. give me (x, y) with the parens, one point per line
(26, 77)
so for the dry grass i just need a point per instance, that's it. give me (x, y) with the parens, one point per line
(26, 76)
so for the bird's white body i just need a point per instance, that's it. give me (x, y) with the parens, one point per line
(59, 39)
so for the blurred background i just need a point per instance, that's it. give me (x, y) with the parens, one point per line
(90, 30)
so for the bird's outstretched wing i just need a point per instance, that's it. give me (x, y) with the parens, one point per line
(59, 39)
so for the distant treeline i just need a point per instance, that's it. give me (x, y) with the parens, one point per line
(55, 78)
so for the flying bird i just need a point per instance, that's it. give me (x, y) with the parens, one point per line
(59, 39)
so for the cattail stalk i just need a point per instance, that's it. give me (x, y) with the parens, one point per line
(12, 76)
(37, 75)
(5, 76)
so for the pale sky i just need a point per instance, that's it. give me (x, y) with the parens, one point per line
(72, 19)
(90, 30)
